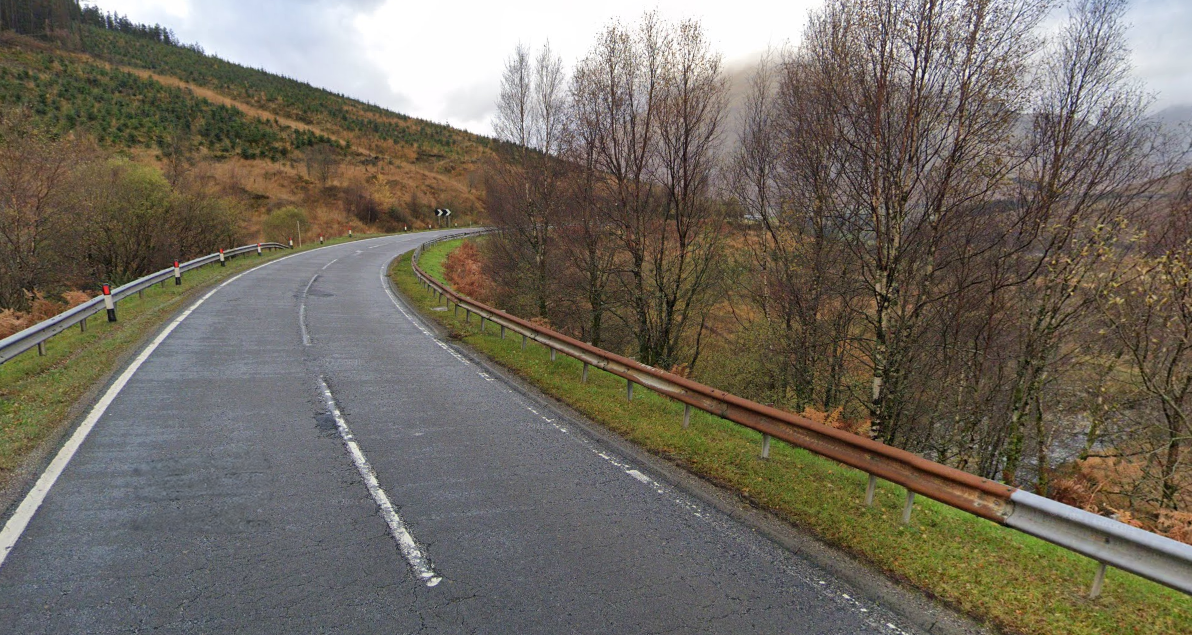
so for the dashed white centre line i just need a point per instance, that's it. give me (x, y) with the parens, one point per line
(405, 542)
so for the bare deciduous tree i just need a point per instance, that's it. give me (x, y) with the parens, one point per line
(322, 163)
(1090, 161)
(524, 192)
(926, 97)
(36, 206)
(1147, 306)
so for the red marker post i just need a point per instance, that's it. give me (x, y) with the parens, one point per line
(222, 262)
(349, 232)
(177, 274)
(258, 249)
(291, 243)
(108, 303)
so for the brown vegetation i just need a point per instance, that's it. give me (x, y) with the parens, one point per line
(916, 259)
(464, 270)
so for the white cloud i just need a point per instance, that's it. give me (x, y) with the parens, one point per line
(437, 61)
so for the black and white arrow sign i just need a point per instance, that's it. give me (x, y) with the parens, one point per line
(442, 212)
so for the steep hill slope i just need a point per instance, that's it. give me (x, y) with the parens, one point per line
(244, 130)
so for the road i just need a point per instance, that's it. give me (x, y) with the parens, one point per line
(301, 455)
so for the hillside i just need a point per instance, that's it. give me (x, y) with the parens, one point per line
(246, 132)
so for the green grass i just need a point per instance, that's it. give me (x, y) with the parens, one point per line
(434, 256)
(992, 573)
(37, 393)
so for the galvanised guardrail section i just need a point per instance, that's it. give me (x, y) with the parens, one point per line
(36, 335)
(1109, 542)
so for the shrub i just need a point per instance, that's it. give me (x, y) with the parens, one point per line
(283, 224)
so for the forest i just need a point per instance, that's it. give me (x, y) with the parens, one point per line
(262, 153)
(74, 214)
(936, 224)
(117, 39)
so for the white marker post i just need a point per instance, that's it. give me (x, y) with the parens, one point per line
(108, 303)
(258, 249)
(349, 232)
(177, 274)
(320, 239)
(222, 262)
(291, 243)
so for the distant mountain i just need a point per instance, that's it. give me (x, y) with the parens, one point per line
(1173, 117)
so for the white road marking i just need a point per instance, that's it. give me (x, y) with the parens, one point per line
(405, 542)
(660, 489)
(329, 264)
(425, 331)
(302, 311)
(20, 519)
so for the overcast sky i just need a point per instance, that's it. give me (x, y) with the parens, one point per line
(442, 61)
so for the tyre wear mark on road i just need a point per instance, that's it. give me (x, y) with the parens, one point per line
(18, 522)
(397, 528)
(306, 341)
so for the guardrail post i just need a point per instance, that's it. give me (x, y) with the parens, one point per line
(222, 261)
(457, 309)
(83, 325)
(629, 389)
(765, 446)
(108, 303)
(906, 511)
(523, 342)
(686, 416)
(552, 354)
(584, 377)
(141, 294)
(467, 315)
(502, 331)
(482, 324)
(177, 274)
(869, 491)
(1098, 581)
(41, 349)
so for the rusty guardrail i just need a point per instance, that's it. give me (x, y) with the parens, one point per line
(36, 335)
(1109, 542)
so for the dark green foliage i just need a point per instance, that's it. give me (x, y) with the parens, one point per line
(282, 95)
(122, 109)
(92, 16)
(38, 17)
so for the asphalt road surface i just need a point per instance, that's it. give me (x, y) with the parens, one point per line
(301, 455)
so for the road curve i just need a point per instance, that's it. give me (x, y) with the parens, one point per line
(300, 454)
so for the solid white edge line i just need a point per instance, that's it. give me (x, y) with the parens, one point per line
(397, 528)
(32, 502)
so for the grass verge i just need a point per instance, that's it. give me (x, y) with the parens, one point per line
(1008, 579)
(38, 394)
